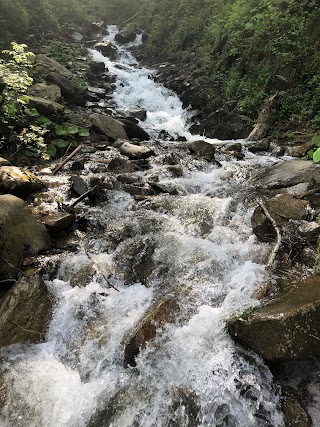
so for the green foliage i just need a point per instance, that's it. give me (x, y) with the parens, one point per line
(314, 153)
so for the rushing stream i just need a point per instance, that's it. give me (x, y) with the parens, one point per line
(196, 247)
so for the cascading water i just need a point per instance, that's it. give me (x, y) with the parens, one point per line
(195, 247)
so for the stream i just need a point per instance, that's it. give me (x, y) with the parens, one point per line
(195, 246)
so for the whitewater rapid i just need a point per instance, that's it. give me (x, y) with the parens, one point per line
(202, 245)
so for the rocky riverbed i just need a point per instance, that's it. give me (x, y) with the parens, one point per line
(128, 293)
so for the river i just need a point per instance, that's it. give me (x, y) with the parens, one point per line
(196, 246)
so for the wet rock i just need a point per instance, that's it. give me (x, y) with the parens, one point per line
(135, 131)
(107, 48)
(256, 147)
(50, 64)
(203, 149)
(25, 312)
(58, 222)
(136, 112)
(15, 181)
(78, 185)
(310, 231)
(159, 187)
(67, 87)
(127, 34)
(97, 67)
(21, 235)
(185, 408)
(285, 328)
(162, 313)
(299, 150)
(121, 165)
(45, 106)
(109, 126)
(4, 162)
(135, 151)
(287, 174)
(42, 90)
(78, 165)
(282, 208)
(294, 412)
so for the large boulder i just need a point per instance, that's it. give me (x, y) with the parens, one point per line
(21, 234)
(41, 90)
(136, 112)
(50, 64)
(109, 126)
(25, 312)
(287, 174)
(107, 49)
(285, 328)
(13, 180)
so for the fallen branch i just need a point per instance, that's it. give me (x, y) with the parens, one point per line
(7, 280)
(66, 160)
(276, 228)
(26, 330)
(82, 197)
(308, 193)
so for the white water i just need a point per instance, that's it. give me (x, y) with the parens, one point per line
(203, 245)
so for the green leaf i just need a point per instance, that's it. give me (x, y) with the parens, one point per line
(61, 143)
(316, 140)
(51, 150)
(1, 98)
(31, 153)
(60, 130)
(84, 132)
(310, 154)
(32, 112)
(72, 130)
(316, 156)
(24, 99)
(44, 121)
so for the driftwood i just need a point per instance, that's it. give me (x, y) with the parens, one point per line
(131, 18)
(82, 197)
(277, 246)
(66, 160)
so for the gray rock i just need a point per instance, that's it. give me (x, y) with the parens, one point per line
(134, 131)
(294, 412)
(136, 112)
(203, 149)
(107, 48)
(109, 126)
(59, 221)
(15, 181)
(21, 235)
(50, 92)
(285, 328)
(287, 174)
(282, 208)
(256, 147)
(25, 312)
(45, 106)
(135, 151)
(66, 85)
(299, 150)
(98, 67)
(78, 185)
(127, 34)
(310, 231)
(121, 165)
(50, 64)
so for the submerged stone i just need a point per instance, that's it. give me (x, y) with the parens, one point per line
(285, 328)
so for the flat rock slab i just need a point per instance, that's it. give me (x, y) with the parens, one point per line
(51, 64)
(42, 90)
(25, 312)
(21, 235)
(287, 174)
(286, 328)
(59, 221)
(13, 180)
